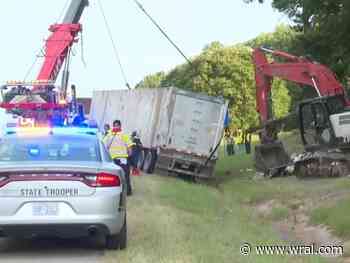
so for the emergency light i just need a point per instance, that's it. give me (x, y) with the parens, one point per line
(37, 131)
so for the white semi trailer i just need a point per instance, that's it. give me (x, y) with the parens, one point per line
(180, 130)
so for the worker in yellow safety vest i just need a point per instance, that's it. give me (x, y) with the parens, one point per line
(119, 146)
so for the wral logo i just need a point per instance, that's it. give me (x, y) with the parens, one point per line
(49, 192)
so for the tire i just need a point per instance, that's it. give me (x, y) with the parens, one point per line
(118, 241)
(150, 162)
(112, 242)
(154, 161)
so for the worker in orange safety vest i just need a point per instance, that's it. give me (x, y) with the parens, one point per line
(120, 146)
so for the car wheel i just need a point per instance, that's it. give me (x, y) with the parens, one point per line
(118, 241)
(112, 242)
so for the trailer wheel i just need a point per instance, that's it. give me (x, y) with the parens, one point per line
(154, 160)
(150, 162)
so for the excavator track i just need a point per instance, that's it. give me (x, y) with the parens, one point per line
(322, 165)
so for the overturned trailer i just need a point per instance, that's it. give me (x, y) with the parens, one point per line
(180, 130)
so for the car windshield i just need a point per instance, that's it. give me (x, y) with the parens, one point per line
(50, 148)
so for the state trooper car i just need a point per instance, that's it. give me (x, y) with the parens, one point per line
(60, 182)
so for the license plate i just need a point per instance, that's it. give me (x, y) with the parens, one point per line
(45, 209)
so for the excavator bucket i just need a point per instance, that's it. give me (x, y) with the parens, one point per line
(271, 159)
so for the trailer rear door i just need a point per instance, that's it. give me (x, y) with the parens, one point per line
(197, 123)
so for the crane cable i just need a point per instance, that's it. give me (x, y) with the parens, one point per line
(196, 70)
(31, 67)
(163, 32)
(213, 151)
(42, 48)
(116, 53)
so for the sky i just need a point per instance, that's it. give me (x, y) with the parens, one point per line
(192, 24)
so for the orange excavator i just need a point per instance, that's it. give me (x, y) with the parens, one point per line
(324, 121)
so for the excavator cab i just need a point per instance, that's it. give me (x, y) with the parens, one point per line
(324, 122)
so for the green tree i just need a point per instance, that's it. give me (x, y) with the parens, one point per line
(324, 25)
(283, 38)
(228, 72)
(152, 81)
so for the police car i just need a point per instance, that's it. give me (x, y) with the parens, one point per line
(60, 182)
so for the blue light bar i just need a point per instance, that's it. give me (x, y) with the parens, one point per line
(74, 130)
(55, 130)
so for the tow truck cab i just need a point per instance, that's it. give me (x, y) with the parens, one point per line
(41, 101)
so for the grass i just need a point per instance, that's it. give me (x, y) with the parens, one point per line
(335, 212)
(239, 182)
(279, 213)
(171, 220)
(337, 217)
(174, 221)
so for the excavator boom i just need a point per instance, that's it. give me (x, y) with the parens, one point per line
(296, 70)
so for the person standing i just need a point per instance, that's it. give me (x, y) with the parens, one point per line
(120, 146)
(231, 144)
(136, 153)
(106, 129)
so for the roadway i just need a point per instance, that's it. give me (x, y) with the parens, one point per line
(50, 251)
